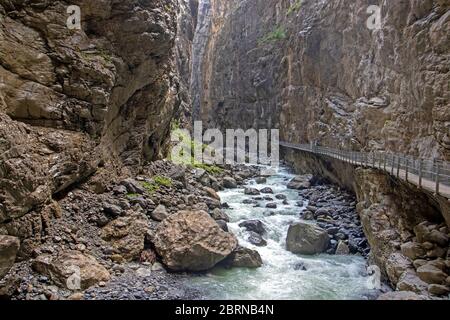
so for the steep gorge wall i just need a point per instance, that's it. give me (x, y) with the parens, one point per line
(314, 69)
(78, 102)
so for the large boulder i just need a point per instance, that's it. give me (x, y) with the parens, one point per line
(192, 241)
(300, 182)
(309, 239)
(71, 269)
(244, 258)
(9, 246)
(127, 236)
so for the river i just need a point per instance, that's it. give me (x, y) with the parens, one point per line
(326, 276)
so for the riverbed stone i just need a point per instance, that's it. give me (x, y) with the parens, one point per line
(229, 183)
(253, 225)
(71, 269)
(244, 258)
(223, 225)
(192, 241)
(261, 180)
(308, 215)
(309, 239)
(218, 214)
(266, 190)
(252, 191)
(342, 248)
(256, 239)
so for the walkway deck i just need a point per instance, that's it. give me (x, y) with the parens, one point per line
(430, 175)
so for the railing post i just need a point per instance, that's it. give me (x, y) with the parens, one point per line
(385, 159)
(438, 169)
(407, 164)
(420, 172)
(393, 164)
(398, 167)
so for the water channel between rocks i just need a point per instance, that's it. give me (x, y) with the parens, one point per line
(284, 275)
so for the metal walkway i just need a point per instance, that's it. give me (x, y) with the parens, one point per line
(430, 175)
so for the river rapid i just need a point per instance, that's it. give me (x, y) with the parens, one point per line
(284, 275)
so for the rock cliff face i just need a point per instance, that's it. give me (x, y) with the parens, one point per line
(186, 26)
(74, 100)
(317, 71)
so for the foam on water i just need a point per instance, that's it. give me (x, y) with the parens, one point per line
(326, 276)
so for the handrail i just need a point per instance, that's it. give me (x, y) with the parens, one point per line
(425, 173)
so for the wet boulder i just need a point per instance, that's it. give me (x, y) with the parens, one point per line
(252, 192)
(192, 241)
(253, 225)
(244, 258)
(308, 239)
(261, 180)
(256, 239)
(267, 190)
(229, 183)
(218, 214)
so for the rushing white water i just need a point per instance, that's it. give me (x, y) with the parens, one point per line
(326, 276)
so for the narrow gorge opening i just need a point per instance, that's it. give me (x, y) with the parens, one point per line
(122, 125)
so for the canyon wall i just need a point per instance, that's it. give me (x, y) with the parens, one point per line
(78, 102)
(315, 70)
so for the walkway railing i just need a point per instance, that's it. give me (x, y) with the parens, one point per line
(432, 175)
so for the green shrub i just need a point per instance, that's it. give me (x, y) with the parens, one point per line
(278, 34)
(211, 169)
(156, 184)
